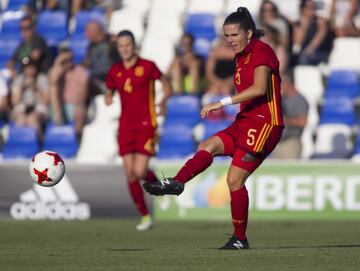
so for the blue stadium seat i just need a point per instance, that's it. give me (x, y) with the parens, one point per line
(338, 109)
(16, 4)
(82, 18)
(22, 143)
(344, 83)
(78, 46)
(176, 142)
(61, 139)
(214, 126)
(201, 25)
(7, 47)
(183, 109)
(202, 47)
(52, 25)
(11, 25)
(343, 77)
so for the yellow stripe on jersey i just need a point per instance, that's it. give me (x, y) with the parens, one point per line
(270, 98)
(260, 136)
(274, 101)
(152, 104)
(265, 137)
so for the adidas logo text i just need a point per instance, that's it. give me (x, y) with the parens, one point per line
(54, 203)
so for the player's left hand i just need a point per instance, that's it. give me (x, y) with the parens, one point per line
(161, 109)
(209, 107)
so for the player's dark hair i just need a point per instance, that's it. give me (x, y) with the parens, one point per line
(127, 33)
(242, 17)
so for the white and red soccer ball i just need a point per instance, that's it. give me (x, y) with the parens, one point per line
(47, 168)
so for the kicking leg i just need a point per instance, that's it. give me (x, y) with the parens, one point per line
(197, 164)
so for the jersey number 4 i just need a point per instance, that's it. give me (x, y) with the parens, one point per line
(127, 86)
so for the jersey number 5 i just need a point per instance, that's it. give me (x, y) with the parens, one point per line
(251, 137)
(128, 87)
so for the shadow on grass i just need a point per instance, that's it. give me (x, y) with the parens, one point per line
(316, 246)
(127, 249)
(299, 247)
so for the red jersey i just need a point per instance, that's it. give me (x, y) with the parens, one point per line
(137, 93)
(266, 108)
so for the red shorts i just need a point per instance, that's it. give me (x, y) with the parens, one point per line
(249, 142)
(137, 140)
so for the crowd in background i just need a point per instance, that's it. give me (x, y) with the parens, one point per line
(45, 84)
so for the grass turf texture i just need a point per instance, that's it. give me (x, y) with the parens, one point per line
(177, 245)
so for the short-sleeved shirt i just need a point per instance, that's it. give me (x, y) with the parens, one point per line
(137, 93)
(25, 48)
(101, 56)
(294, 106)
(266, 108)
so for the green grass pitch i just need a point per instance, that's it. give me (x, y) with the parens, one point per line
(177, 245)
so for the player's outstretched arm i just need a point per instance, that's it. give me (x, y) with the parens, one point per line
(258, 88)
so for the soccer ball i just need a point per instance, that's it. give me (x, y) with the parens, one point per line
(47, 168)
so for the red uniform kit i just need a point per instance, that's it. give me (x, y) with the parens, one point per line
(137, 123)
(258, 127)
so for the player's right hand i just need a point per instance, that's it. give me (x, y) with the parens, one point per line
(209, 107)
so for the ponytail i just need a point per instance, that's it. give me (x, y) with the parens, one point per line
(243, 18)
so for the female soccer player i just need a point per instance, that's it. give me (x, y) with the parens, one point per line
(133, 78)
(254, 133)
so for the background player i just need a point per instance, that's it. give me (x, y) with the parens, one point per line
(254, 133)
(133, 77)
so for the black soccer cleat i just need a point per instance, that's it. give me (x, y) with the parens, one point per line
(235, 243)
(167, 186)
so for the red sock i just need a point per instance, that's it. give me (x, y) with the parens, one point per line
(137, 196)
(239, 211)
(201, 161)
(150, 177)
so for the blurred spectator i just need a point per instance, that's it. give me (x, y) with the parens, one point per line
(106, 5)
(312, 39)
(101, 54)
(52, 4)
(343, 13)
(270, 15)
(32, 46)
(219, 69)
(68, 90)
(272, 38)
(30, 97)
(185, 69)
(4, 99)
(295, 109)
